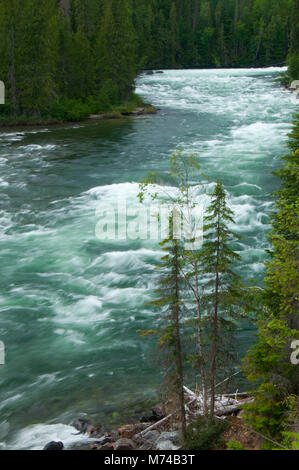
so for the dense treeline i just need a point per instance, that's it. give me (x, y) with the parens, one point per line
(293, 57)
(69, 58)
(276, 407)
(66, 59)
(212, 33)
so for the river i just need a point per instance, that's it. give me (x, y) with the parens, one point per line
(70, 304)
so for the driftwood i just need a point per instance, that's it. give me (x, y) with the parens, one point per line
(227, 410)
(225, 405)
(153, 426)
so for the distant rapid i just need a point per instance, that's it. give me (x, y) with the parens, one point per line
(70, 304)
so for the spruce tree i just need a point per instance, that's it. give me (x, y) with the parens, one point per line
(170, 304)
(269, 361)
(222, 289)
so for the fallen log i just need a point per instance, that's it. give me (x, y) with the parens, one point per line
(227, 410)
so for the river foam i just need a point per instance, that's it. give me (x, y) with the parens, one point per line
(70, 304)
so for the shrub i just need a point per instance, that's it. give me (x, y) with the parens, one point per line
(205, 434)
(234, 445)
(267, 413)
(70, 110)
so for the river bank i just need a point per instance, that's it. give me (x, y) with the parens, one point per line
(159, 431)
(118, 113)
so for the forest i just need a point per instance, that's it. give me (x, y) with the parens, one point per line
(67, 59)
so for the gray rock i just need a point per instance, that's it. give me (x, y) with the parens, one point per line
(166, 445)
(147, 445)
(81, 425)
(53, 446)
(174, 437)
(125, 444)
(104, 440)
(151, 436)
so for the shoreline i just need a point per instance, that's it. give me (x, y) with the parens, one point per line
(143, 110)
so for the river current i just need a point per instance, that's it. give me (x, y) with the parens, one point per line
(70, 304)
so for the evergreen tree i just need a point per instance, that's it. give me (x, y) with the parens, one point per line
(293, 58)
(222, 289)
(269, 361)
(171, 306)
(115, 49)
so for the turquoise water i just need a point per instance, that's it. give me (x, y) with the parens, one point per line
(70, 304)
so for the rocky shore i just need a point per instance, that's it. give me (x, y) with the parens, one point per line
(158, 431)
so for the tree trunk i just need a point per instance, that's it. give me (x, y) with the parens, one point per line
(12, 74)
(195, 14)
(215, 328)
(178, 358)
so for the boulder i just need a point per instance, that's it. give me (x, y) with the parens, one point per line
(82, 425)
(169, 441)
(166, 445)
(151, 436)
(157, 413)
(173, 436)
(147, 445)
(125, 444)
(53, 446)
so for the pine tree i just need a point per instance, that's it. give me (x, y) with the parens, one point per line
(223, 289)
(278, 321)
(293, 58)
(30, 38)
(171, 306)
(173, 35)
(115, 49)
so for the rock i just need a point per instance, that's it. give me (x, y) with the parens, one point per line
(158, 412)
(82, 425)
(107, 446)
(104, 440)
(80, 446)
(151, 436)
(174, 437)
(92, 430)
(166, 445)
(53, 446)
(159, 71)
(125, 444)
(149, 72)
(150, 418)
(128, 431)
(156, 415)
(147, 445)
(114, 435)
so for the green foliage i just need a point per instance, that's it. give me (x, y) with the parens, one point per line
(224, 296)
(92, 52)
(293, 57)
(205, 434)
(291, 440)
(209, 33)
(269, 361)
(234, 445)
(66, 66)
(267, 412)
(70, 110)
